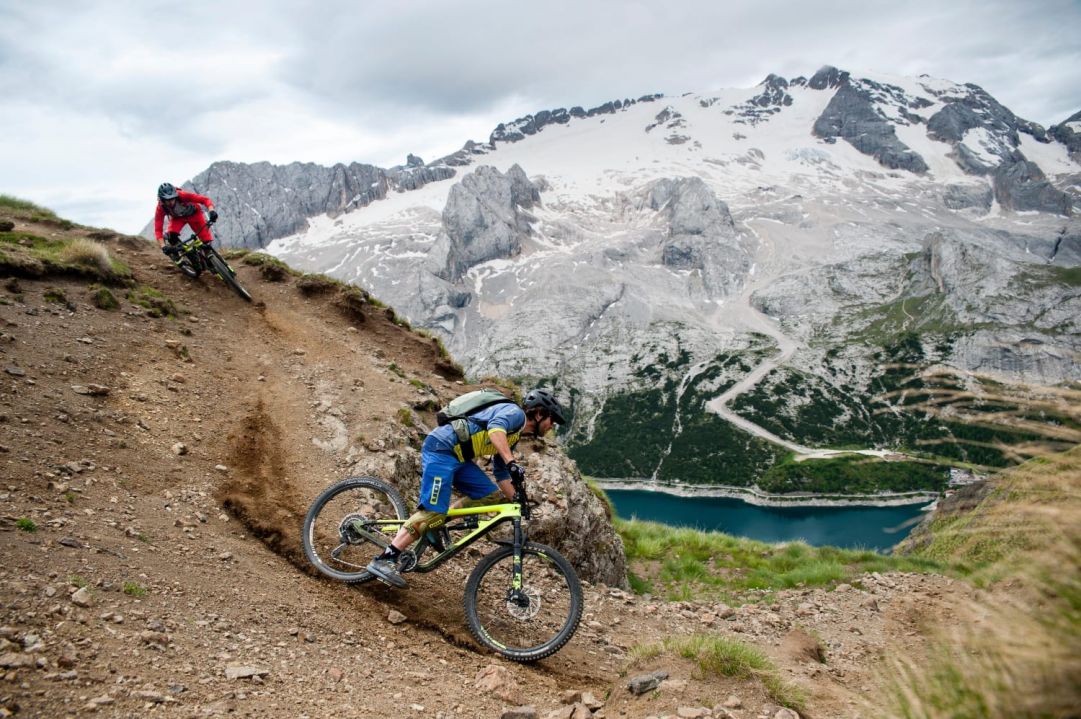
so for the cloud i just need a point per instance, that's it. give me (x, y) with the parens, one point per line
(104, 99)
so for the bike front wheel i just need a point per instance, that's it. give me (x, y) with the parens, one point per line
(222, 270)
(334, 528)
(524, 623)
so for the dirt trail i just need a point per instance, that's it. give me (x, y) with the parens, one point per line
(175, 500)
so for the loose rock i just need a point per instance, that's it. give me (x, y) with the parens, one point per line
(241, 671)
(646, 682)
(81, 598)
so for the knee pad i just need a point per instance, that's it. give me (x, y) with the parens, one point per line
(423, 520)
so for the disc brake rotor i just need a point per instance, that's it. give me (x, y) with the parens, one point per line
(521, 609)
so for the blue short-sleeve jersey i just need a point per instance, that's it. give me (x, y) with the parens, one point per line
(507, 418)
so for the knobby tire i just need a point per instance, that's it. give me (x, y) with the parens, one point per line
(365, 497)
(221, 269)
(555, 603)
(190, 266)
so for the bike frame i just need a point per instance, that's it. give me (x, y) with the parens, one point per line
(502, 513)
(192, 247)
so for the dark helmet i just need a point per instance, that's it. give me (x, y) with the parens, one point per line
(166, 191)
(543, 399)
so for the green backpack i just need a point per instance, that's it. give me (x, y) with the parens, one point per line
(464, 406)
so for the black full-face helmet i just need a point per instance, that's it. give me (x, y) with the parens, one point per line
(166, 191)
(543, 399)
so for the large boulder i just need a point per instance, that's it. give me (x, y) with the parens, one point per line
(572, 518)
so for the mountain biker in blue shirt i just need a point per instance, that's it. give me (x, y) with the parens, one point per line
(494, 431)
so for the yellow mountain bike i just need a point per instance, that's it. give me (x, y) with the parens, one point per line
(522, 600)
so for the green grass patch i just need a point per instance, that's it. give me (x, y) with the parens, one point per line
(134, 589)
(271, 268)
(26, 524)
(153, 300)
(103, 298)
(30, 211)
(684, 564)
(721, 656)
(55, 296)
(77, 581)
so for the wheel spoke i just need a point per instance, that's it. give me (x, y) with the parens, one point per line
(330, 539)
(536, 619)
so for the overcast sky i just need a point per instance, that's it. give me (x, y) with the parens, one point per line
(102, 101)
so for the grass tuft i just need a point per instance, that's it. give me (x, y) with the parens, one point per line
(103, 298)
(154, 301)
(26, 524)
(134, 589)
(721, 656)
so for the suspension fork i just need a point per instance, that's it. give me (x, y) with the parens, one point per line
(519, 543)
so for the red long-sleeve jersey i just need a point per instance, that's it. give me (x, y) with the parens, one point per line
(185, 211)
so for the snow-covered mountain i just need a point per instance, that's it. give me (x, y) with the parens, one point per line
(647, 255)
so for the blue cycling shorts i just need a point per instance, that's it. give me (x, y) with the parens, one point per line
(444, 471)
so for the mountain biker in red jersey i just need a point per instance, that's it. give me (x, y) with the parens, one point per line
(182, 208)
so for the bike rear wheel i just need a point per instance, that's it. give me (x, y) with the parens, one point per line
(534, 621)
(331, 538)
(222, 270)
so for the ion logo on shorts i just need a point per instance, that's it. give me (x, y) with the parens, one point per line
(437, 484)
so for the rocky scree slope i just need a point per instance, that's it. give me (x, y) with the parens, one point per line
(158, 457)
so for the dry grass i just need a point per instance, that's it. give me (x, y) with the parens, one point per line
(1016, 653)
(88, 253)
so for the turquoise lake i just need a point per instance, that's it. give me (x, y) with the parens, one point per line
(850, 527)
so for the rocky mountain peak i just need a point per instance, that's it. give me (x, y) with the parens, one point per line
(485, 218)
(828, 77)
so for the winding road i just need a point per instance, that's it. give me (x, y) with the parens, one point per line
(755, 321)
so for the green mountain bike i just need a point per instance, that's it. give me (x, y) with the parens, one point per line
(523, 600)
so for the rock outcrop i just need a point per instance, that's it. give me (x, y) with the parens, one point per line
(1021, 185)
(1069, 134)
(485, 218)
(701, 233)
(851, 116)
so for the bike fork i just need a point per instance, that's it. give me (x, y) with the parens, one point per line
(519, 543)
